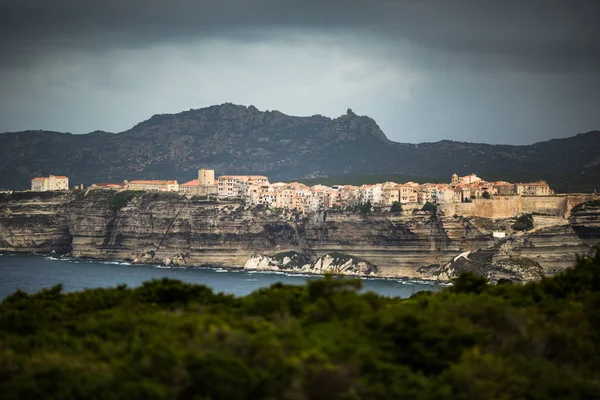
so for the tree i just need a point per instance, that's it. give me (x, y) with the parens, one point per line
(396, 207)
(523, 223)
(364, 208)
(429, 207)
(486, 195)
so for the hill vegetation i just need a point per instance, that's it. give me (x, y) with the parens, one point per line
(327, 340)
(237, 139)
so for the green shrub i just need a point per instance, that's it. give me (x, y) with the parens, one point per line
(523, 223)
(121, 199)
(429, 207)
(396, 207)
(365, 208)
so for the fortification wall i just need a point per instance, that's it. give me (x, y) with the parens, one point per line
(498, 207)
(559, 205)
(549, 205)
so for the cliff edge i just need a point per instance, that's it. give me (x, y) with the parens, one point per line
(167, 228)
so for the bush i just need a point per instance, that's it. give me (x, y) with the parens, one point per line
(429, 207)
(523, 223)
(396, 207)
(486, 195)
(121, 199)
(364, 208)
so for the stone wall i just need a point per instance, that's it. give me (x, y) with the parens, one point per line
(511, 206)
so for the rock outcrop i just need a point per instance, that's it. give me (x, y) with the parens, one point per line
(335, 263)
(166, 228)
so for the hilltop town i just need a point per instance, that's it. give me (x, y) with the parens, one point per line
(257, 190)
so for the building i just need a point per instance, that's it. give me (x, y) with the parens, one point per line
(231, 185)
(152, 185)
(203, 186)
(539, 188)
(190, 187)
(52, 182)
(206, 177)
(409, 193)
(206, 182)
(370, 193)
(504, 188)
(445, 194)
(390, 193)
(464, 180)
(427, 193)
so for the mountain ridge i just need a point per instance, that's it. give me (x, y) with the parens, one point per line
(234, 138)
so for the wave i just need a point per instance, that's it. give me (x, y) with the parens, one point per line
(287, 273)
(269, 272)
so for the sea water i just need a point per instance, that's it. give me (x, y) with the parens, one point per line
(32, 273)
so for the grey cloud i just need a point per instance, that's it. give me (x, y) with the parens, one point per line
(540, 35)
(477, 70)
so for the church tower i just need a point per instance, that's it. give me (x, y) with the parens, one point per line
(454, 179)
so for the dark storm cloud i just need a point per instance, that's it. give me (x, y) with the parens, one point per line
(536, 34)
(480, 70)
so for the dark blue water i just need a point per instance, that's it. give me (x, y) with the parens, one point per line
(32, 273)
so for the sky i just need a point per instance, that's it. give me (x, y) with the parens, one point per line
(514, 72)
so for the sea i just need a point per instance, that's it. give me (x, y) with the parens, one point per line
(32, 273)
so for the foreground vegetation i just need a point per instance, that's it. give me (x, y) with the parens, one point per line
(326, 340)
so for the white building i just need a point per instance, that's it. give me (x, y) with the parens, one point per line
(231, 185)
(52, 182)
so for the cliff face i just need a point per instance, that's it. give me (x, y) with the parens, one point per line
(168, 228)
(34, 222)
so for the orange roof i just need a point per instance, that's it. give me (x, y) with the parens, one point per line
(191, 183)
(151, 182)
(53, 176)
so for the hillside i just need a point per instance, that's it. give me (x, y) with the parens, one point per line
(237, 139)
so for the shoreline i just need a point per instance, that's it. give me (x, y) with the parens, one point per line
(220, 268)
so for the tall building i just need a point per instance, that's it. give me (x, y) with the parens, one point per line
(203, 186)
(206, 177)
(454, 179)
(52, 182)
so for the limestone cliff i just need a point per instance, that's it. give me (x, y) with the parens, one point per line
(334, 263)
(34, 222)
(171, 229)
